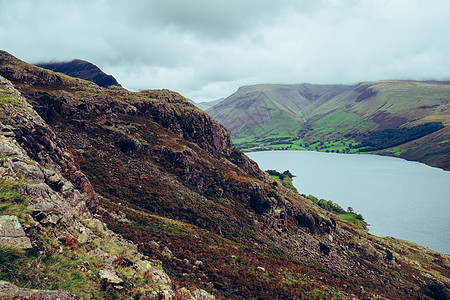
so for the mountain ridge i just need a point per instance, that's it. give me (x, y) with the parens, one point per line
(325, 114)
(81, 69)
(167, 178)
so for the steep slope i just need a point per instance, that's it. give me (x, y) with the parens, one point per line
(342, 118)
(81, 69)
(168, 178)
(43, 189)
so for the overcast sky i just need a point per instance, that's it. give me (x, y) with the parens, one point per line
(206, 49)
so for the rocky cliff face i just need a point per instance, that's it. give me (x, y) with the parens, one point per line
(163, 174)
(59, 210)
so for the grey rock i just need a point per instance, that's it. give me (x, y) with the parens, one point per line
(95, 224)
(198, 263)
(54, 180)
(12, 234)
(10, 226)
(108, 276)
(99, 254)
(85, 236)
(154, 245)
(6, 130)
(21, 242)
(46, 212)
(200, 294)
(30, 171)
(41, 191)
(160, 276)
(143, 266)
(166, 252)
(10, 148)
(11, 291)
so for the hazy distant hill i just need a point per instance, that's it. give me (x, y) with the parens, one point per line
(206, 104)
(381, 116)
(81, 69)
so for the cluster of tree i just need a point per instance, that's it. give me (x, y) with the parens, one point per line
(346, 150)
(382, 139)
(325, 204)
(280, 175)
(285, 178)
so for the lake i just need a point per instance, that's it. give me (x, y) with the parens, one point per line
(399, 198)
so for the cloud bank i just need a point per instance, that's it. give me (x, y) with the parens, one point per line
(207, 49)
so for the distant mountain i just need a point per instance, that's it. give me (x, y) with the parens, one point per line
(383, 116)
(206, 104)
(81, 69)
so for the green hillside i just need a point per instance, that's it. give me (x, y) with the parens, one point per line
(342, 118)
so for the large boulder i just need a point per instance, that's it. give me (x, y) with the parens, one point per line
(12, 234)
(11, 291)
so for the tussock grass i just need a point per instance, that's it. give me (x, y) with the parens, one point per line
(5, 96)
(12, 200)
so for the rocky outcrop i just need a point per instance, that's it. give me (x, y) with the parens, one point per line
(41, 145)
(11, 291)
(190, 123)
(33, 157)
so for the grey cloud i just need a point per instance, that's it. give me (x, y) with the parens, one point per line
(212, 19)
(206, 49)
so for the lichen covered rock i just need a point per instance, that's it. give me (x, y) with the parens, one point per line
(12, 234)
(11, 291)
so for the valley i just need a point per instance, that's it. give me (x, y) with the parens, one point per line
(409, 118)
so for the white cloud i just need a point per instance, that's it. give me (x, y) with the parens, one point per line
(207, 49)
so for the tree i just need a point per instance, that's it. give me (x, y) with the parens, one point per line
(289, 174)
(350, 209)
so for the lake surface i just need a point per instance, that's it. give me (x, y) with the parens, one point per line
(399, 198)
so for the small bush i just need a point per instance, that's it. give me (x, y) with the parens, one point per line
(306, 221)
(258, 203)
(325, 249)
(70, 241)
(288, 174)
(436, 290)
(389, 255)
(122, 260)
(127, 144)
